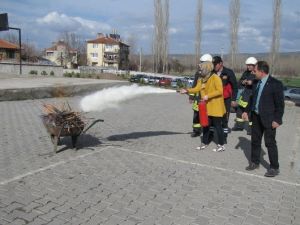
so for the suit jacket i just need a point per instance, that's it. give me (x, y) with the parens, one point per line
(271, 102)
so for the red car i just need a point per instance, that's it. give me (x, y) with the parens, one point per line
(164, 81)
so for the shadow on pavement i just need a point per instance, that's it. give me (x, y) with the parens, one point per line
(84, 141)
(245, 145)
(136, 135)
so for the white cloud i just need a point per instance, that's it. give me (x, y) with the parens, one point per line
(254, 37)
(173, 30)
(61, 22)
(214, 26)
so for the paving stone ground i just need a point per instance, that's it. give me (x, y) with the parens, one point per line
(140, 167)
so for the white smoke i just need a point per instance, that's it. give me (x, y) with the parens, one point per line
(112, 97)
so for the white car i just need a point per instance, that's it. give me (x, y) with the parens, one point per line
(292, 94)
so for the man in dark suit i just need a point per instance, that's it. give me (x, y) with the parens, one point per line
(267, 107)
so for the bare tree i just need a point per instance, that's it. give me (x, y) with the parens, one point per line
(166, 36)
(276, 34)
(12, 38)
(160, 40)
(234, 12)
(133, 55)
(74, 42)
(198, 23)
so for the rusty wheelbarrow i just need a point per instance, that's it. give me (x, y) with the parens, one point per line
(63, 130)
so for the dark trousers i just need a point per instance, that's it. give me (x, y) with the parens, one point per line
(227, 102)
(217, 123)
(196, 122)
(258, 130)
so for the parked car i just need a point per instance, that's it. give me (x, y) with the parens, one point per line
(145, 79)
(164, 81)
(157, 79)
(292, 94)
(177, 83)
(136, 78)
(151, 80)
(174, 83)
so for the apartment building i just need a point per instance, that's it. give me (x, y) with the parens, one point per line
(108, 51)
(61, 54)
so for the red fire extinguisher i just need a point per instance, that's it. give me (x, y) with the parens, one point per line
(203, 114)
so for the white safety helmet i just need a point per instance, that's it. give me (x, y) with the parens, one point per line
(206, 58)
(251, 61)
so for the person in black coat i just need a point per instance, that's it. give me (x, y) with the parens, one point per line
(230, 89)
(267, 108)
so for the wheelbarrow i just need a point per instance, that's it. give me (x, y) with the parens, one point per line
(56, 132)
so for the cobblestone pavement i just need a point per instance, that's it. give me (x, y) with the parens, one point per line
(140, 167)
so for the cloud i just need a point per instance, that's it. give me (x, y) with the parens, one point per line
(251, 36)
(215, 26)
(173, 30)
(63, 23)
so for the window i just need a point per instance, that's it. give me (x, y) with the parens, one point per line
(49, 53)
(295, 91)
(10, 54)
(95, 45)
(94, 54)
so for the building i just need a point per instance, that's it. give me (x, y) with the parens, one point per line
(108, 51)
(9, 52)
(61, 54)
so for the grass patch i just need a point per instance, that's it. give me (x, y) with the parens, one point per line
(290, 82)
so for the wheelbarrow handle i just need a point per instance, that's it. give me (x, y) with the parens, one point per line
(92, 124)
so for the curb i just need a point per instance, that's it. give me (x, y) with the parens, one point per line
(53, 92)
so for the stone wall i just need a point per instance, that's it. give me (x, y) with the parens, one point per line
(13, 68)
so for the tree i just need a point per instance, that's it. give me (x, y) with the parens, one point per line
(160, 40)
(198, 23)
(133, 58)
(74, 42)
(12, 38)
(234, 12)
(29, 52)
(276, 34)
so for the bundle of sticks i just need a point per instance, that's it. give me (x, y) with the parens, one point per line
(63, 116)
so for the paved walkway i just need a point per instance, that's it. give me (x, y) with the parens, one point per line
(140, 167)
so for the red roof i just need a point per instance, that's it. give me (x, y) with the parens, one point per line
(7, 45)
(105, 40)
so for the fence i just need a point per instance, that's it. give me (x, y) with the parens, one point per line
(31, 69)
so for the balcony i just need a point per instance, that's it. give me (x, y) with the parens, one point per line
(111, 58)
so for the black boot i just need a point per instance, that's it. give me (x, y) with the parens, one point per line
(238, 126)
(248, 128)
(195, 134)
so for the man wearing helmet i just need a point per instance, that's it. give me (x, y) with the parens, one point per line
(245, 88)
(195, 98)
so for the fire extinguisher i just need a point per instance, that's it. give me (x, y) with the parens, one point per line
(203, 113)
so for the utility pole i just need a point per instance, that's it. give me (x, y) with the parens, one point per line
(141, 52)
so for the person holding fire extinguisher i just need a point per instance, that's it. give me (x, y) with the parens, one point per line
(230, 89)
(194, 99)
(210, 87)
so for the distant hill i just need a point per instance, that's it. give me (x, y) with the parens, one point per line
(288, 63)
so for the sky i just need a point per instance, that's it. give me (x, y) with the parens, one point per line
(42, 22)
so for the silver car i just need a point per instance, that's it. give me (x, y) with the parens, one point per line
(292, 94)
